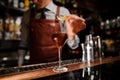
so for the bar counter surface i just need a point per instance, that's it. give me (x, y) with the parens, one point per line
(30, 72)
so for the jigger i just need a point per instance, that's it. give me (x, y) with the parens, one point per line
(83, 52)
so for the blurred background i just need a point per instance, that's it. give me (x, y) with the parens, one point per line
(102, 18)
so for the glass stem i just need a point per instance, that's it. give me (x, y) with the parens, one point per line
(59, 54)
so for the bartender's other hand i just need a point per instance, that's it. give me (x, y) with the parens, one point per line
(74, 24)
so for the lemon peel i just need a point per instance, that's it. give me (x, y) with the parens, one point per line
(62, 18)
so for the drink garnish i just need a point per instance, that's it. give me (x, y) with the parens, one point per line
(62, 18)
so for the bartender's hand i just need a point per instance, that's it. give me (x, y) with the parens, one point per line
(74, 24)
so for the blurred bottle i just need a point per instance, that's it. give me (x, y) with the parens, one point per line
(9, 27)
(16, 3)
(63, 2)
(21, 4)
(31, 4)
(27, 3)
(17, 28)
(89, 48)
(1, 29)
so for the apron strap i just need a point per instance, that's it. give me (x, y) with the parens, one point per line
(57, 12)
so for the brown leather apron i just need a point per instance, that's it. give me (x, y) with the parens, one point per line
(42, 48)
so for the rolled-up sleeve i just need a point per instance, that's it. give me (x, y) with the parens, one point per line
(73, 44)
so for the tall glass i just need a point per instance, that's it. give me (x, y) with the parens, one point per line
(59, 38)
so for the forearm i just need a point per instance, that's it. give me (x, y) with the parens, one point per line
(23, 48)
(21, 55)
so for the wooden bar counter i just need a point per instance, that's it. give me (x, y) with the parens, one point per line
(30, 72)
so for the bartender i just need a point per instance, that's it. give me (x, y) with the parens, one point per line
(36, 31)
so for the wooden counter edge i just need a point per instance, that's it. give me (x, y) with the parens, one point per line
(49, 72)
